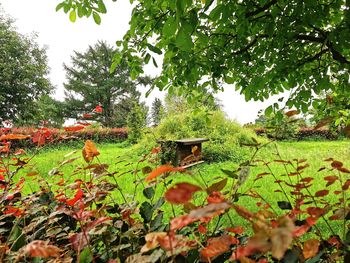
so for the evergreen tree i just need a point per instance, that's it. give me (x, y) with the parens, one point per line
(90, 83)
(157, 111)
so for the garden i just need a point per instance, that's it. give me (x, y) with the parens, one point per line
(108, 188)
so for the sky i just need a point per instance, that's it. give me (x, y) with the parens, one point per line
(62, 38)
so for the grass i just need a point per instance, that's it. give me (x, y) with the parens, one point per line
(122, 159)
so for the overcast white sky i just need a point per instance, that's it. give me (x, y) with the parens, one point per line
(63, 37)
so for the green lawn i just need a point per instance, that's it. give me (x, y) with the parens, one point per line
(121, 160)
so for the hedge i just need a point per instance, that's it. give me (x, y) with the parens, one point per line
(61, 136)
(305, 134)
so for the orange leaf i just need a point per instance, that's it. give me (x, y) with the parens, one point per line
(310, 248)
(13, 137)
(218, 245)
(291, 113)
(41, 249)
(181, 193)
(74, 128)
(89, 151)
(163, 169)
(323, 122)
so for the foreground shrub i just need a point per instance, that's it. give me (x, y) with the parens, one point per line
(88, 217)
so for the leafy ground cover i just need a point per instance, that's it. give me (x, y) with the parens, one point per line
(120, 158)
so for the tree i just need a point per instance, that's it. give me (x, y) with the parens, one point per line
(263, 47)
(90, 83)
(136, 121)
(23, 73)
(157, 111)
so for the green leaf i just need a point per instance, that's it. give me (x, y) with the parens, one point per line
(284, 205)
(72, 16)
(101, 7)
(230, 173)
(85, 256)
(147, 58)
(170, 27)
(59, 6)
(146, 211)
(96, 17)
(183, 38)
(148, 192)
(154, 62)
(159, 203)
(81, 11)
(156, 222)
(154, 49)
(268, 110)
(113, 67)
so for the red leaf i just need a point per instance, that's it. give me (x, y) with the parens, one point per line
(307, 179)
(78, 196)
(300, 230)
(346, 185)
(98, 109)
(202, 229)
(87, 116)
(180, 222)
(79, 241)
(321, 193)
(163, 169)
(41, 249)
(336, 164)
(181, 193)
(11, 210)
(343, 170)
(330, 179)
(310, 248)
(215, 197)
(316, 211)
(237, 230)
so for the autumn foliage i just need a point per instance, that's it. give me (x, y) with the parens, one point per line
(87, 216)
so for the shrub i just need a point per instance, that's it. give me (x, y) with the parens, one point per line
(225, 135)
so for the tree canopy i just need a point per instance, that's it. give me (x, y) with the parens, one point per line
(23, 73)
(263, 47)
(90, 83)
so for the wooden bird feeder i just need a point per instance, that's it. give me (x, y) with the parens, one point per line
(184, 152)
